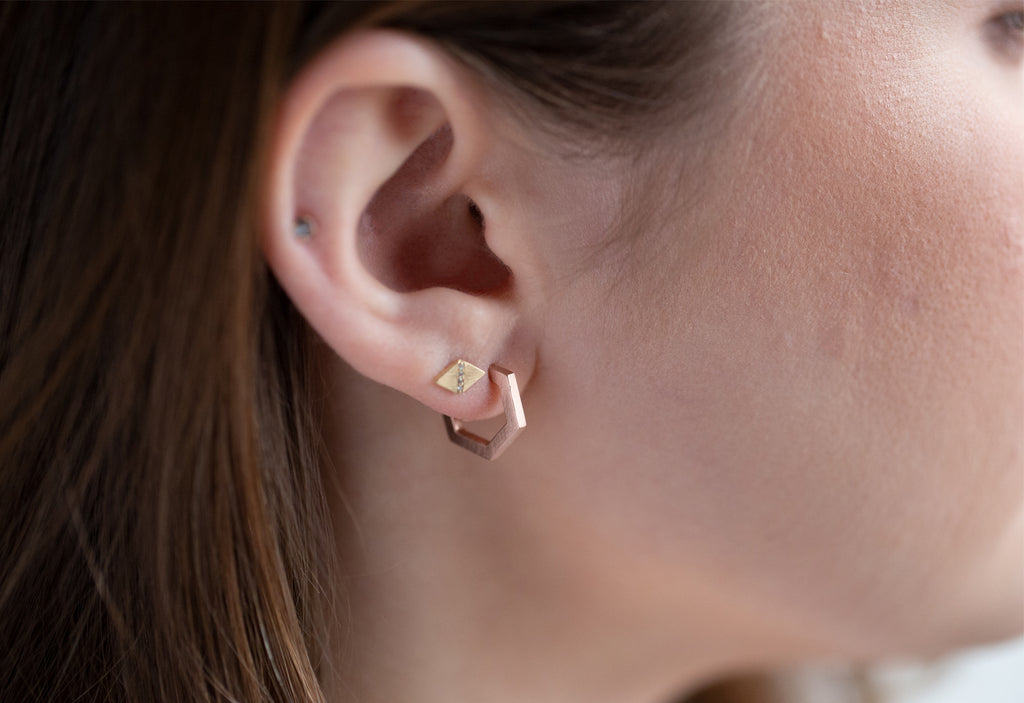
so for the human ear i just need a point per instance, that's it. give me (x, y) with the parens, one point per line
(382, 227)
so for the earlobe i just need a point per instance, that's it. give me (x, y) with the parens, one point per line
(372, 226)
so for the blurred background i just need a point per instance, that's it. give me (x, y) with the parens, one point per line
(985, 675)
(993, 674)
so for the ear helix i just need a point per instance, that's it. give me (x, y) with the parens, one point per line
(458, 377)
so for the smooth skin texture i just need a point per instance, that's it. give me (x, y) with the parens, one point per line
(779, 417)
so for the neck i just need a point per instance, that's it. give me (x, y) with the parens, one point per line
(460, 588)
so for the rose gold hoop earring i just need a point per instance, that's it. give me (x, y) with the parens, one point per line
(458, 378)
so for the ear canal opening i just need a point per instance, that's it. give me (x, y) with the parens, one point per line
(412, 236)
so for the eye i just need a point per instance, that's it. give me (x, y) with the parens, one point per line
(1006, 31)
(1013, 21)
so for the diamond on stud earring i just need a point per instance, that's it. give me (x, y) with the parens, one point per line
(459, 377)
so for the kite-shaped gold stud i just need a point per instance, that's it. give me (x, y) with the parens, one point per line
(459, 377)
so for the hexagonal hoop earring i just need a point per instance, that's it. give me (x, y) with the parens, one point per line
(515, 420)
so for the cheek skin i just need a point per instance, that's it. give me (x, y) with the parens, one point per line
(876, 258)
(829, 415)
(804, 413)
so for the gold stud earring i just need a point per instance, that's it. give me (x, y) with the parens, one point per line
(457, 378)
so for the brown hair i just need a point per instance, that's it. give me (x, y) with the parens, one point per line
(165, 535)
